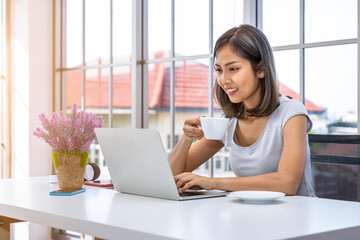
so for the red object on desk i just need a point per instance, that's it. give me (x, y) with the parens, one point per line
(100, 183)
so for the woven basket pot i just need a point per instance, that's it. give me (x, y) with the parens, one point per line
(70, 168)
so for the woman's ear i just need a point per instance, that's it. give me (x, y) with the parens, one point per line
(260, 72)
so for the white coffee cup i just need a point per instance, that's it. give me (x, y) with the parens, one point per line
(214, 128)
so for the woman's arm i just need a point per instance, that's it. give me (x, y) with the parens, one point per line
(186, 156)
(287, 179)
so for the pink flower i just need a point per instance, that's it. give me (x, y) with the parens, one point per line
(69, 134)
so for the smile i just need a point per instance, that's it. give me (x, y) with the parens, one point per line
(231, 91)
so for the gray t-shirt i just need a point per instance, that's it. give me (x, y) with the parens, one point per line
(264, 155)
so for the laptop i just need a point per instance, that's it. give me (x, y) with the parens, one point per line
(138, 164)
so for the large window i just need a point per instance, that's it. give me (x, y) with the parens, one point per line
(93, 61)
(316, 44)
(108, 60)
(179, 65)
(315, 47)
(149, 63)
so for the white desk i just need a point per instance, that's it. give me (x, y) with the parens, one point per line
(108, 214)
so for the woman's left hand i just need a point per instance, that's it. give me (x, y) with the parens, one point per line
(188, 180)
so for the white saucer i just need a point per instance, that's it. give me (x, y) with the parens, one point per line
(258, 197)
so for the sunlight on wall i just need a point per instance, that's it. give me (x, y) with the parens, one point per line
(21, 110)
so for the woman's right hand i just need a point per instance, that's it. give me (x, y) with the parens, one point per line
(191, 129)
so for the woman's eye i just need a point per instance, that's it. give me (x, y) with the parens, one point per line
(217, 69)
(234, 69)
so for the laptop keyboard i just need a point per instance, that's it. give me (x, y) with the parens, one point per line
(194, 193)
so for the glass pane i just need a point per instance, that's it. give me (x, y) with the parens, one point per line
(73, 88)
(122, 97)
(97, 92)
(96, 156)
(122, 31)
(97, 32)
(159, 101)
(287, 69)
(330, 20)
(221, 165)
(221, 159)
(74, 33)
(227, 14)
(191, 97)
(217, 109)
(159, 34)
(97, 102)
(191, 27)
(331, 88)
(281, 21)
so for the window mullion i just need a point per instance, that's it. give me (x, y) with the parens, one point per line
(302, 52)
(136, 65)
(172, 77)
(250, 12)
(211, 59)
(259, 14)
(111, 68)
(145, 75)
(211, 72)
(211, 77)
(83, 71)
(62, 77)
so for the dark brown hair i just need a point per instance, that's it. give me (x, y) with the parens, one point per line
(250, 43)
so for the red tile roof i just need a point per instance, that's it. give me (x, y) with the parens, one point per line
(310, 106)
(191, 87)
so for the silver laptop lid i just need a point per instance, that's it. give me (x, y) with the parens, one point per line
(137, 162)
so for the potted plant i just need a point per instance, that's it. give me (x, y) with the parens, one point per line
(70, 138)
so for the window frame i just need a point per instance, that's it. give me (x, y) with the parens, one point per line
(139, 62)
(302, 46)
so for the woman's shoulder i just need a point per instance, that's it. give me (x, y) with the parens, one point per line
(289, 108)
(285, 103)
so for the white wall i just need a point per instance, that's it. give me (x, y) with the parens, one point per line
(31, 27)
(21, 81)
(40, 88)
(32, 77)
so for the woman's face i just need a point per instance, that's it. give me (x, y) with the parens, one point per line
(237, 78)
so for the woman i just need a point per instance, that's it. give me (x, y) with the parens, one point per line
(267, 134)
